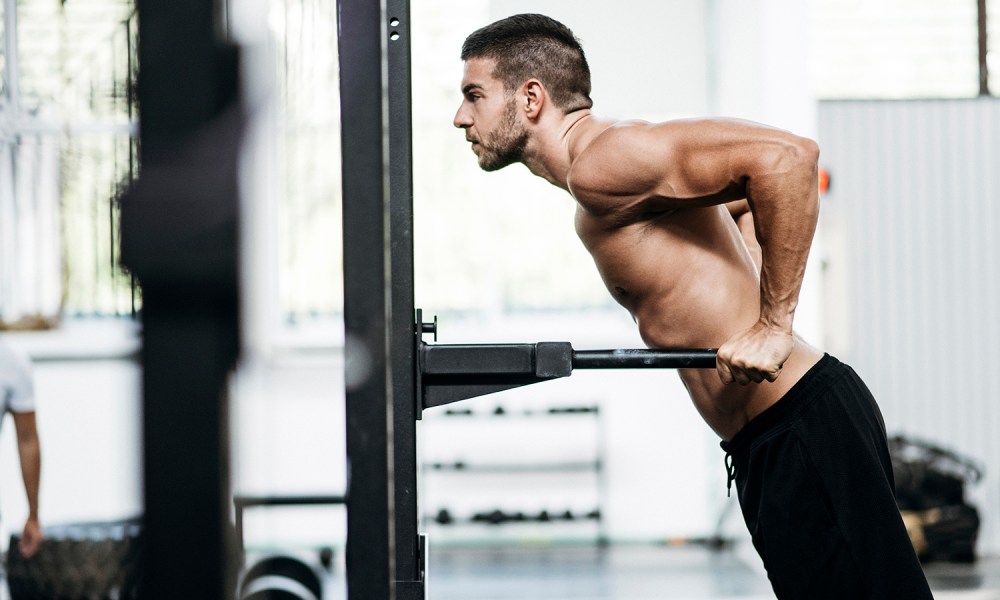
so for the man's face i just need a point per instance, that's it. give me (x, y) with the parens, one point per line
(490, 117)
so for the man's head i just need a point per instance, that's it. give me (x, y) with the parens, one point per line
(535, 46)
(509, 61)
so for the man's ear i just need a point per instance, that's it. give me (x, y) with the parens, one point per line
(533, 98)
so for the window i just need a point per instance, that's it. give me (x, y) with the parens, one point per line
(895, 48)
(67, 110)
(309, 209)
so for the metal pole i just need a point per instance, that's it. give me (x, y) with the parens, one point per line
(984, 72)
(371, 523)
(644, 359)
(180, 230)
(409, 559)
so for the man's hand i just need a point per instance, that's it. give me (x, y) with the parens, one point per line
(31, 538)
(754, 355)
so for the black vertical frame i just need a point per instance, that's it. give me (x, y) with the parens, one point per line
(983, 39)
(383, 545)
(371, 524)
(179, 228)
(409, 563)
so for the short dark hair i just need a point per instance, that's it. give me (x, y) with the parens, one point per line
(531, 45)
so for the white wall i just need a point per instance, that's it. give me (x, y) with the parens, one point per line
(912, 270)
(88, 411)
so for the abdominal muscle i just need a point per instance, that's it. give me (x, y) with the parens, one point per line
(689, 282)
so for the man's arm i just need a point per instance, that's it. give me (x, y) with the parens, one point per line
(29, 451)
(783, 196)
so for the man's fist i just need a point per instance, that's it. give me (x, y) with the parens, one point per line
(31, 538)
(754, 355)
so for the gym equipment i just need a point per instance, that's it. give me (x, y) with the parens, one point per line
(79, 561)
(448, 373)
(241, 503)
(930, 493)
(499, 517)
(386, 555)
(281, 577)
(180, 238)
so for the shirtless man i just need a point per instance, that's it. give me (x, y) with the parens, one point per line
(661, 208)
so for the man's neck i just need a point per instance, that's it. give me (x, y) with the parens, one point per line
(556, 143)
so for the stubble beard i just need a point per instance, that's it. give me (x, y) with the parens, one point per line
(505, 144)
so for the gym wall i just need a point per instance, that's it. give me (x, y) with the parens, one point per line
(911, 269)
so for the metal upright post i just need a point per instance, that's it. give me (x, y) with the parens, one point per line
(180, 229)
(409, 549)
(371, 524)
(984, 46)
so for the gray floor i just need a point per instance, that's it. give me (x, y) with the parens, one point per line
(588, 573)
(642, 573)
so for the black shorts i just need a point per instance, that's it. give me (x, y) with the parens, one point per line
(815, 485)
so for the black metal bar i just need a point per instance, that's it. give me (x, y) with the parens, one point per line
(555, 467)
(453, 372)
(179, 228)
(984, 71)
(248, 501)
(240, 503)
(409, 563)
(371, 524)
(644, 359)
(543, 359)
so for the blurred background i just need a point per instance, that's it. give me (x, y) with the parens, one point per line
(900, 94)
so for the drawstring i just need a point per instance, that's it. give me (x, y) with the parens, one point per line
(730, 474)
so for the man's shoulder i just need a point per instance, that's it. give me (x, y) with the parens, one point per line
(623, 160)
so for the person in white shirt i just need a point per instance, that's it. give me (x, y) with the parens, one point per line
(17, 392)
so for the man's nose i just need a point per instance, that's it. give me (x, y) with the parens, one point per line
(462, 118)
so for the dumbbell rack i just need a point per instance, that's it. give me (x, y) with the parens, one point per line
(488, 471)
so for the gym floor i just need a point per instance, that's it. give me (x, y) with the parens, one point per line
(642, 573)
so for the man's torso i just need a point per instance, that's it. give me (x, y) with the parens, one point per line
(689, 281)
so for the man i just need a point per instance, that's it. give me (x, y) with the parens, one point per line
(661, 208)
(17, 391)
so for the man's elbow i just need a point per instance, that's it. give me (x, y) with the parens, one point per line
(802, 160)
(790, 155)
(804, 153)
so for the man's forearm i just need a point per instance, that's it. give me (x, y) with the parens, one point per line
(29, 451)
(31, 468)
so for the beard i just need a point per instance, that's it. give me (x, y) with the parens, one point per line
(505, 144)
